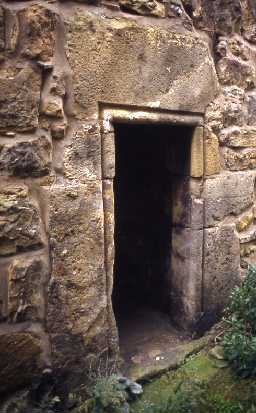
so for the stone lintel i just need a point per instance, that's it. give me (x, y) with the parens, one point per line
(134, 115)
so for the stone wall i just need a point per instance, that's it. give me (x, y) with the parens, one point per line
(61, 64)
(230, 139)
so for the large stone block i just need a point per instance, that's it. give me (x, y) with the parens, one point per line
(233, 107)
(186, 276)
(227, 194)
(20, 222)
(211, 154)
(236, 137)
(121, 61)
(19, 98)
(221, 267)
(20, 361)
(77, 302)
(187, 206)
(144, 7)
(26, 278)
(228, 109)
(26, 157)
(239, 160)
(9, 31)
(38, 34)
(12, 28)
(82, 155)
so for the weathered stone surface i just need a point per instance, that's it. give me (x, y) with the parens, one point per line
(248, 255)
(77, 297)
(187, 207)
(38, 36)
(20, 222)
(248, 236)
(234, 46)
(235, 160)
(197, 153)
(228, 109)
(245, 221)
(26, 158)
(234, 107)
(53, 107)
(109, 227)
(108, 155)
(238, 137)
(57, 83)
(20, 360)
(9, 28)
(236, 65)
(3, 295)
(227, 14)
(19, 98)
(221, 16)
(233, 71)
(251, 101)
(211, 154)
(82, 156)
(23, 282)
(214, 115)
(108, 56)
(202, 14)
(144, 7)
(175, 9)
(221, 267)
(2, 31)
(58, 129)
(185, 291)
(248, 20)
(26, 296)
(227, 194)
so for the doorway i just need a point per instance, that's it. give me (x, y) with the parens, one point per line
(152, 167)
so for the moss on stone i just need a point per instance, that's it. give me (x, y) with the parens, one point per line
(224, 388)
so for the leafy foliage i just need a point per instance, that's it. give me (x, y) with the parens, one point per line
(188, 397)
(110, 396)
(240, 340)
(220, 405)
(193, 396)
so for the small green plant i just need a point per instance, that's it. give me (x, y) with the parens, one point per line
(240, 339)
(109, 396)
(219, 405)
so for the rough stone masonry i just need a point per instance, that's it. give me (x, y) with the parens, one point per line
(62, 65)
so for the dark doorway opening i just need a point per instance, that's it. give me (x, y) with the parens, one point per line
(150, 162)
